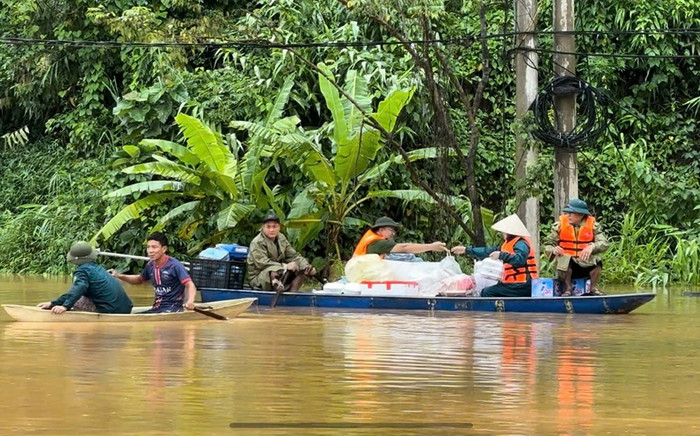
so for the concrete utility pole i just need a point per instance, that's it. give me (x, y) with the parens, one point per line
(526, 62)
(566, 164)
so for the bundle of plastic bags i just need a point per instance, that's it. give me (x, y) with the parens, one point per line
(432, 277)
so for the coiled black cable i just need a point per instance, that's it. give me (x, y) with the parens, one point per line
(591, 114)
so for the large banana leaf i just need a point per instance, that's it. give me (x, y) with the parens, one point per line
(356, 87)
(303, 204)
(207, 144)
(305, 229)
(418, 195)
(355, 154)
(311, 161)
(230, 216)
(391, 107)
(175, 149)
(131, 212)
(165, 169)
(280, 101)
(223, 181)
(332, 97)
(174, 213)
(151, 186)
(379, 169)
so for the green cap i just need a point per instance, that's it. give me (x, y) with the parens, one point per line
(271, 217)
(81, 252)
(385, 221)
(577, 206)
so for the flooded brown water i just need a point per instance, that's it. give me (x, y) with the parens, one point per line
(310, 371)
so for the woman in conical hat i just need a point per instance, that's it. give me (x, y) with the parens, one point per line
(516, 253)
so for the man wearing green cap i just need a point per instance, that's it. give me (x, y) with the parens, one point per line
(380, 240)
(93, 290)
(576, 243)
(273, 264)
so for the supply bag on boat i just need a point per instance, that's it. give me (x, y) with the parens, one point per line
(460, 283)
(488, 268)
(427, 274)
(369, 267)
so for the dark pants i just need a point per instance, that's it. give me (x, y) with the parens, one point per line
(577, 271)
(508, 290)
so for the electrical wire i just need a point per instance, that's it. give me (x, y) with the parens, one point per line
(592, 104)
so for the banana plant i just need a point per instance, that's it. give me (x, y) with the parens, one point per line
(199, 183)
(339, 159)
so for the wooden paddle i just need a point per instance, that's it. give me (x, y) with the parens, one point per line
(276, 297)
(214, 315)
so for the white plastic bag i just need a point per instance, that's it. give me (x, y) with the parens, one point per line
(369, 267)
(488, 268)
(429, 285)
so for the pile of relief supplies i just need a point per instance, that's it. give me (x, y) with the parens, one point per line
(407, 275)
(224, 252)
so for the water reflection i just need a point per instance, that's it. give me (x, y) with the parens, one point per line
(505, 373)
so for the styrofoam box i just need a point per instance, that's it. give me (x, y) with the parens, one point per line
(337, 288)
(392, 288)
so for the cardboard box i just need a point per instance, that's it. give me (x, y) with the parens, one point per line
(580, 287)
(553, 288)
(543, 288)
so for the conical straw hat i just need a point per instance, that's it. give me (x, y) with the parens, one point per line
(511, 225)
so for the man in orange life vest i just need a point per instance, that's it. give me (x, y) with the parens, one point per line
(576, 242)
(517, 254)
(380, 240)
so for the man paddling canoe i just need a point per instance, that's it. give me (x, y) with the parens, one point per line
(173, 286)
(93, 289)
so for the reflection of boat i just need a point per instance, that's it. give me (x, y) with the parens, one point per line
(227, 308)
(622, 303)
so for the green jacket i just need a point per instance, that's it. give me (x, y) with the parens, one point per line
(265, 256)
(94, 282)
(600, 244)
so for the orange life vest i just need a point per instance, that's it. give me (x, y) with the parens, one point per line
(367, 239)
(569, 241)
(519, 274)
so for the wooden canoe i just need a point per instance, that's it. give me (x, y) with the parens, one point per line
(604, 304)
(227, 308)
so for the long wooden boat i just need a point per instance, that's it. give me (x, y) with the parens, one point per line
(228, 308)
(621, 303)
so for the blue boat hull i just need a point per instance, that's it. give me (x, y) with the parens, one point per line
(623, 303)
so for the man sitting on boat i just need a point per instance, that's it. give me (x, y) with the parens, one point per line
(273, 264)
(380, 240)
(93, 289)
(173, 286)
(518, 256)
(575, 244)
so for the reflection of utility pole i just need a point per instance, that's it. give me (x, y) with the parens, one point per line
(566, 164)
(525, 90)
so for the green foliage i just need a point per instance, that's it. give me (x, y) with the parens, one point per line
(64, 110)
(203, 190)
(47, 203)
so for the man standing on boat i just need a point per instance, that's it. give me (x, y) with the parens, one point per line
(173, 286)
(518, 256)
(273, 264)
(380, 240)
(93, 289)
(576, 243)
